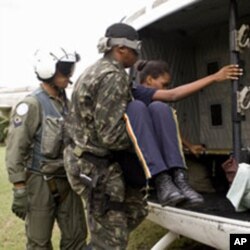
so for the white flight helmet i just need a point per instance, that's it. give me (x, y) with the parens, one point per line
(46, 60)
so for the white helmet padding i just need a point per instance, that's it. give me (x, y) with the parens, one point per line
(46, 60)
(135, 44)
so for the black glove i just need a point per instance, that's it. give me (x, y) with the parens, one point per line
(19, 205)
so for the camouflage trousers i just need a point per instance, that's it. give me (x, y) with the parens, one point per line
(111, 230)
(114, 208)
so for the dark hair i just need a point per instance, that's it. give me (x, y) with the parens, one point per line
(153, 68)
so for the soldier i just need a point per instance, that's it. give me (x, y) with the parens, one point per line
(97, 129)
(104, 122)
(34, 157)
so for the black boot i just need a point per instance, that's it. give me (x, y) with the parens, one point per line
(167, 192)
(181, 181)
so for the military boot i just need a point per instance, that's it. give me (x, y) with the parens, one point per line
(181, 181)
(167, 192)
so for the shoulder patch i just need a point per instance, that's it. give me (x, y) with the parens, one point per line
(17, 121)
(22, 109)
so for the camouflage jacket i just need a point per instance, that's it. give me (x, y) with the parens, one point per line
(99, 100)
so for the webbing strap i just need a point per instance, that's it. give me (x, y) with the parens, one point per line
(54, 190)
(136, 147)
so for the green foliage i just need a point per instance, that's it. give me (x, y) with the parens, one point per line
(4, 123)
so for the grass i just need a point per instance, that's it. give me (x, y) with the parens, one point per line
(12, 233)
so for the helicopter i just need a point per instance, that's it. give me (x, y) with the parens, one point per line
(196, 38)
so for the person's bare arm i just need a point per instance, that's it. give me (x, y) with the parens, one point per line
(195, 149)
(229, 72)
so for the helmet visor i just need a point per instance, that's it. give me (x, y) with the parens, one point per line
(65, 68)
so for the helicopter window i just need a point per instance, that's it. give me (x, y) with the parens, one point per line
(216, 114)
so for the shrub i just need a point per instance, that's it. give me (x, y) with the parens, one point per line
(4, 124)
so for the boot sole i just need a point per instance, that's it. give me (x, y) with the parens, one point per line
(173, 202)
(192, 203)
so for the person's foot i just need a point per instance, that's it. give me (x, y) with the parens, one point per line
(167, 193)
(180, 179)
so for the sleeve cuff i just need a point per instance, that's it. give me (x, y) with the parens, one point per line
(18, 177)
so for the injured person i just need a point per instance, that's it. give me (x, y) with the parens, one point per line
(156, 130)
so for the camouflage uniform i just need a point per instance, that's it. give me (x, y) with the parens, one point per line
(43, 209)
(97, 129)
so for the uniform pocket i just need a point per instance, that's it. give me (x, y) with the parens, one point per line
(52, 136)
(75, 166)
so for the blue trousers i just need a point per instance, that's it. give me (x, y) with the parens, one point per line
(156, 130)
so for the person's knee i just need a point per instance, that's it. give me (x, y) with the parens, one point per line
(158, 106)
(136, 106)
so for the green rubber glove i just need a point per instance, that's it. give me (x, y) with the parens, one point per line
(19, 205)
